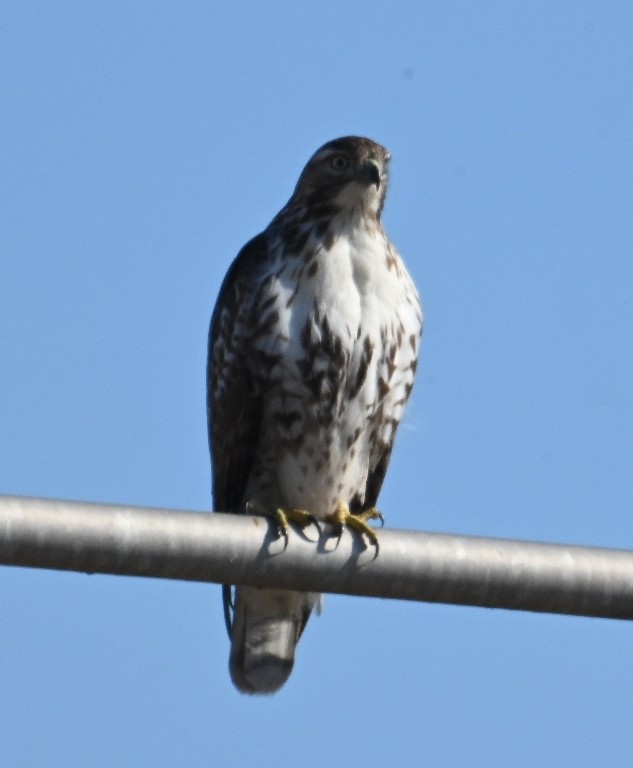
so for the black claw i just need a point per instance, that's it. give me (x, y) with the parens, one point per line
(315, 523)
(281, 531)
(339, 535)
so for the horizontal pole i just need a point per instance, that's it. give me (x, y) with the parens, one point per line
(240, 549)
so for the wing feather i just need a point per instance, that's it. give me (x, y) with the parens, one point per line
(397, 368)
(234, 402)
(234, 399)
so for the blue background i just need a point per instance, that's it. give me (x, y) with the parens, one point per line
(141, 145)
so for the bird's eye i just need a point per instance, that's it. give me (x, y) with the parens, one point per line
(339, 163)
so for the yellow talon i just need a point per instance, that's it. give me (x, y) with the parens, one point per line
(283, 517)
(301, 517)
(342, 517)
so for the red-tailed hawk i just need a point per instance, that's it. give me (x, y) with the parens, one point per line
(312, 351)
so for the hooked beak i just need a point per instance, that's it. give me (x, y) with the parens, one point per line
(372, 172)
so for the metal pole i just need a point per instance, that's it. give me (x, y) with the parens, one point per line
(236, 549)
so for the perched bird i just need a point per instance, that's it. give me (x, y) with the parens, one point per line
(313, 347)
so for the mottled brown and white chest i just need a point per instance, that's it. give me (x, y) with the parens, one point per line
(336, 339)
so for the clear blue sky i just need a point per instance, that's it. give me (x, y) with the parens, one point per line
(141, 145)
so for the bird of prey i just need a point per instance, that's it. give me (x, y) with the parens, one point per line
(313, 347)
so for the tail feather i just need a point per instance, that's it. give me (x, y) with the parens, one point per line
(267, 624)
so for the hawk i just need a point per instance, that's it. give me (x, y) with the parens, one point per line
(312, 352)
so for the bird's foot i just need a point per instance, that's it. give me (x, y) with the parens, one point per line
(342, 517)
(283, 517)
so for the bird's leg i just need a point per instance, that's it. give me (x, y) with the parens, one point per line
(283, 517)
(342, 517)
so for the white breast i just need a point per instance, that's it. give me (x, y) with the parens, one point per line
(363, 300)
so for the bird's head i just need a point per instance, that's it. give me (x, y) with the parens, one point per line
(349, 174)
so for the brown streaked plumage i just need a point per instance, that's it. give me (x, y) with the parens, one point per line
(312, 352)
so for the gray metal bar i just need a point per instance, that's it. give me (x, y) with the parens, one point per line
(432, 567)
